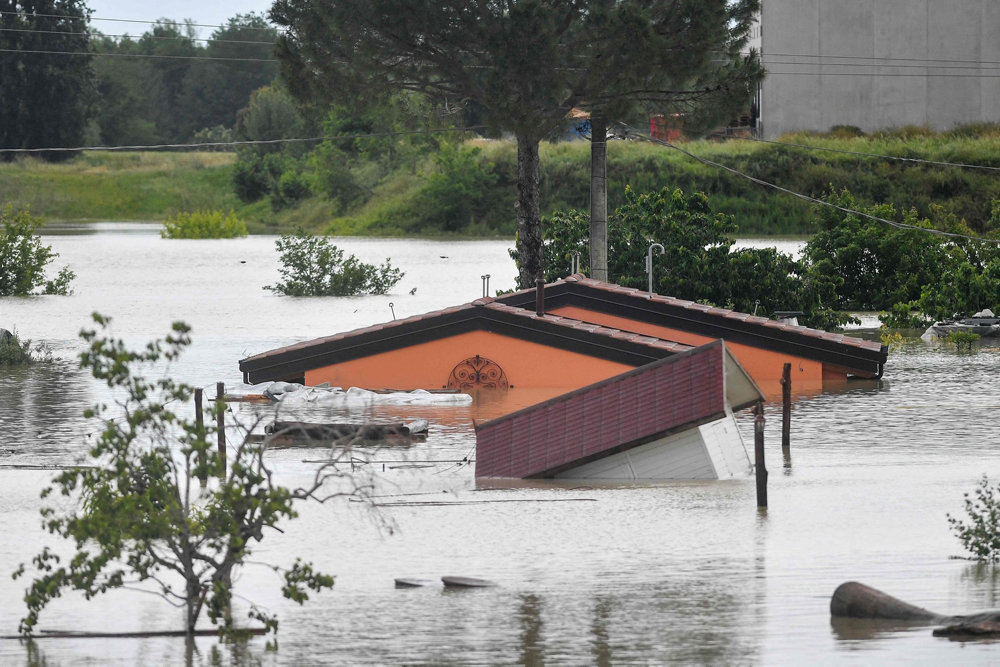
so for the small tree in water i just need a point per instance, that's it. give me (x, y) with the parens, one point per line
(312, 266)
(980, 535)
(159, 505)
(23, 257)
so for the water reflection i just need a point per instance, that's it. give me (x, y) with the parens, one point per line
(530, 616)
(42, 414)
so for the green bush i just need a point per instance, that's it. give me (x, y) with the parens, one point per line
(697, 262)
(15, 352)
(23, 258)
(980, 535)
(203, 225)
(312, 266)
(962, 341)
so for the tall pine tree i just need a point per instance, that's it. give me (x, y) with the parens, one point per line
(524, 64)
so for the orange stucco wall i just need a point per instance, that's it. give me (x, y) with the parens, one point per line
(527, 365)
(764, 366)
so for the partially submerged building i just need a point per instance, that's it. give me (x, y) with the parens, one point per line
(585, 379)
(669, 419)
(761, 345)
(516, 353)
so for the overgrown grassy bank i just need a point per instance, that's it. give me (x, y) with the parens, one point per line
(153, 186)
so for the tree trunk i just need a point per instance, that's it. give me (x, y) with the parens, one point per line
(529, 217)
(598, 198)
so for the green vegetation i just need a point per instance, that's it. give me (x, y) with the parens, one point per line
(312, 266)
(158, 503)
(980, 534)
(46, 100)
(204, 225)
(698, 262)
(121, 186)
(15, 352)
(399, 184)
(962, 341)
(523, 67)
(23, 258)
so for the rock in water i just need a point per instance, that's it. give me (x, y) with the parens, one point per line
(855, 600)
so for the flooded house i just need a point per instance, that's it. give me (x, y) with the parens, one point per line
(585, 379)
(761, 345)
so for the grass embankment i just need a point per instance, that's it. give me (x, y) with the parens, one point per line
(153, 186)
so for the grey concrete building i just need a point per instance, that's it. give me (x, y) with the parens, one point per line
(877, 64)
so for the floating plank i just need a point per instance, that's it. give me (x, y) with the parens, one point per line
(467, 582)
(406, 582)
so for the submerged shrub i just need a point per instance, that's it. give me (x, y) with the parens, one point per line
(980, 535)
(203, 225)
(963, 341)
(15, 352)
(23, 258)
(312, 266)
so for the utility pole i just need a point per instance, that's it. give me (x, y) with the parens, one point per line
(598, 197)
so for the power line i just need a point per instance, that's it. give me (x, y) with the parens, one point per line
(889, 75)
(257, 142)
(146, 36)
(116, 20)
(899, 225)
(852, 57)
(979, 66)
(138, 55)
(876, 155)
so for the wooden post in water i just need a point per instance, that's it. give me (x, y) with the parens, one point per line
(220, 421)
(760, 469)
(786, 410)
(199, 421)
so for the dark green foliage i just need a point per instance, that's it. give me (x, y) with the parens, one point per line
(903, 316)
(524, 65)
(172, 94)
(452, 197)
(15, 352)
(884, 267)
(23, 257)
(46, 99)
(158, 505)
(698, 263)
(312, 266)
(980, 534)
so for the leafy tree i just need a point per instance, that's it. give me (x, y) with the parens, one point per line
(23, 257)
(452, 197)
(47, 96)
(880, 265)
(312, 266)
(244, 53)
(980, 534)
(159, 505)
(270, 114)
(698, 261)
(523, 64)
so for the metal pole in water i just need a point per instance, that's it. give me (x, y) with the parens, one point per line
(220, 420)
(760, 470)
(786, 409)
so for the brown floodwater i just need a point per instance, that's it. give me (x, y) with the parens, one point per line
(597, 574)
